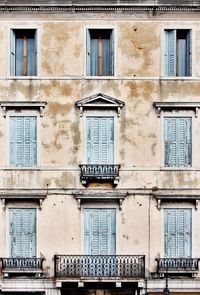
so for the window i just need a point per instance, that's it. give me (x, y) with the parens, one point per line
(177, 232)
(178, 141)
(23, 141)
(100, 140)
(22, 232)
(178, 52)
(99, 231)
(100, 52)
(23, 53)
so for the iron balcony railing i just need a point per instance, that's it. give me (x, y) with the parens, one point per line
(172, 265)
(96, 266)
(99, 171)
(22, 263)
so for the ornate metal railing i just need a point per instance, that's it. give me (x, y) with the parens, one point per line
(96, 266)
(177, 264)
(19, 263)
(99, 171)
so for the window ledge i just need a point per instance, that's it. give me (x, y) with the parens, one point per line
(163, 106)
(23, 105)
(162, 197)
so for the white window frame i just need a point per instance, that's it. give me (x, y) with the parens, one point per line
(100, 27)
(23, 27)
(96, 113)
(23, 113)
(176, 114)
(178, 26)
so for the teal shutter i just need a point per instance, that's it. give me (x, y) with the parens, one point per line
(106, 58)
(112, 53)
(19, 52)
(178, 141)
(170, 52)
(100, 140)
(31, 55)
(94, 51)
(177, 232)
(182, 60)
(23, 141)
(88, 57)
(22, 230)
(189, 53)
(12, 52)
(100, 231)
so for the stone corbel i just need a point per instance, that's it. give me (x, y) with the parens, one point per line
(196, 112)
(3, 204)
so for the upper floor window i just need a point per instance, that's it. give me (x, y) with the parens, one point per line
(100, 52)
(23, 52)
(178, 141)
(178, 52)
(23, 141)
(100, 140)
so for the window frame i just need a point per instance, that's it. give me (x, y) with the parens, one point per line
(163, 46)
(23, 113)
(103, 27)
(23, 27)
(175, 114)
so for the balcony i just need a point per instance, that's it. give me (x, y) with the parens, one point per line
(99, 266)
(17, 265)
(96, 172)
(177, 265)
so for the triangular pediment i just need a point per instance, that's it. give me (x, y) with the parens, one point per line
(100, 101)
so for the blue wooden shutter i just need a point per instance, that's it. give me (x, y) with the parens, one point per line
(23, 141)
(94, 49)
(88, 56)
(182, 60)
(189, 53)
(170, 52)
(19, 53)
(22, 231)
(31, 55)
(112, 53)
(184, 134)
(106, 58)
(12, 52)
(100, 140)
(177, 232)
(170, 138)
(99, 231)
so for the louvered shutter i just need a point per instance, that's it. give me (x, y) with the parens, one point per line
(23, 141)
(94, 51)
(88, 57)
(12, 52)
(100, 140)
(22, 232)
(170, 141)
(19, 52)
(170, 52)
(112, 53)
(31, 55)
(106, 57)
(184, 141)
(189, 53)
(177, 232)
(100, 231)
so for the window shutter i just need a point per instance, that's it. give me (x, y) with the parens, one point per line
(88, 57)
(99, 231)
(170, 52)
(170, 232)
(184, 141)
(12, 52)
(184, 232)
(94, 63)
(29, 232)
(170, 142)
(19, 51)
(15, 232)
(189, 53)
(112, 53)
(95, 152)
(30, 141)
(31, 52)
(106, 57)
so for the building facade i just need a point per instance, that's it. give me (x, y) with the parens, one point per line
(99, 158)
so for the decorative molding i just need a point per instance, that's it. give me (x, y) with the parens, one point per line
(100, 197)
(23, 105)
(171, 197)
(100, 101)
(163, 106)
(22, 196)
